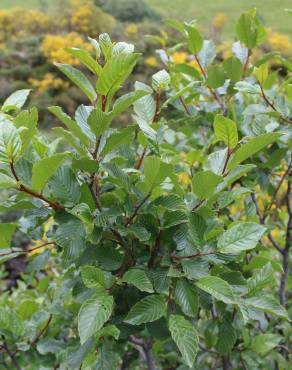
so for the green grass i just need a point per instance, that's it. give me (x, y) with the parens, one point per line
(26, 3)
(271, 11)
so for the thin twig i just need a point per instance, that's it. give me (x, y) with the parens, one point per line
(191, 256)
(27, 251)
(285, 251)
(140, 160)
(212, 91)
(186, 108)
(5, 347)
(42, 332)
(246, 64)
(157, 106)
(25, 189)
(262, 221)
(155, 250)
(271, 105)
(136, 209)
(277, 189)
(144, 348)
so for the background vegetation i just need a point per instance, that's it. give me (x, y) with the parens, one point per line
(153, 226)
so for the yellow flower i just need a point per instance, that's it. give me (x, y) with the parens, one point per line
(278, 41)
(88, 19)
(219, 20)
(35, 21)
(50, 81)
(53, 47)
(131, 29)
(225, 49)
(184, 178)
(194, 64)
(151, 62)
(275, 233)
(179, 57)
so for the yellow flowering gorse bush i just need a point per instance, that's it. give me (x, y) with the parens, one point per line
(50, 81)
(53, 47)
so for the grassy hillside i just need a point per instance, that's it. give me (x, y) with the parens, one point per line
(271, 11)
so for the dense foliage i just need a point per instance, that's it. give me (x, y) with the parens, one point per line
(128, 10)
(162, 244)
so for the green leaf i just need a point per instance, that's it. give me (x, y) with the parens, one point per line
(233, 68)
(263, 343)
(7, 181)
(79, 79)
(195, 40)
(121, 137)
(93, 314)
(139, 279)
(71, 140)
(64, 186)
(205, 183)
(16, 100)
(261, 73)
(268, 305)
(226, 130)
(70, 124)
(207, 53)
(253, 146)
(96, 47)
(249, 29)
(197, 228)
(218, 288)
(125, 101)
(186, 297)
(261, 279)
(98, 121)
(86, 59)
(6, 232)
(10, 142)
(45, 168)
(241, 237)
(216, 76)
(109, 331)
(155, 172)
(83, 212)
(145, 108)
(70, 235)
(150, 308)
(160, 80)
(115, 72)
(105, 44)
(186, 338)
(92, 276)
(226, 337)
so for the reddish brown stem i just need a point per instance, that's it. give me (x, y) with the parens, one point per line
(157, 106)
(212, 91)
(272, 105)
(246, 64)
(25, 189)
(42, 332)
(191, 256)
(136, 209)
(140, 161)
(277, 189)
(103, 102)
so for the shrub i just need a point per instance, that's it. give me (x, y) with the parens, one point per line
(160, 244)
(88, 19)
(128, 10)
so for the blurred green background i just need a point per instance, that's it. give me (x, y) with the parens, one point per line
(272, 11)
(34, 33)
